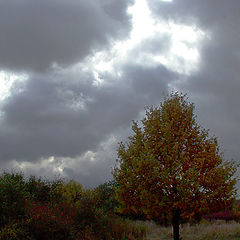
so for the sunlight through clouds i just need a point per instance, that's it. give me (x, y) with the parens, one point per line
(51, 167)
(143, 25)
(182, 56)
(7, 82)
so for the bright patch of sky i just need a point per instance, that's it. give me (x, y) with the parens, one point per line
(52, 166)
(182, 56)
(7, 82)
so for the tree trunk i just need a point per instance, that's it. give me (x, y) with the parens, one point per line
(165, 220)
(176, 223)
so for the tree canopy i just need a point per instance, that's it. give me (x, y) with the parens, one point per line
(171, 166)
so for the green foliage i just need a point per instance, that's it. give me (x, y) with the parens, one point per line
(70, 191)
(15, 231)
(105, 196)
(13, 195)
(40, 190)
(34, 209)
(87, 212)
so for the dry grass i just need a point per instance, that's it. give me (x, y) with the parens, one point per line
(213, 231)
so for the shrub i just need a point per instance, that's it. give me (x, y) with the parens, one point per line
(45, 191)
(13, 195)
(46, 222)
(36, 210)
(121, 228)
(39, 190)
(15, 231)
(227, 216)
(93, 223)
(86, 212)
(70, 191)
(105, 197)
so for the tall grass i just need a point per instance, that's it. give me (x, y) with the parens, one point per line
(207, 231)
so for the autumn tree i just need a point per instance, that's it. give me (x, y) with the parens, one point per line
(170, 166)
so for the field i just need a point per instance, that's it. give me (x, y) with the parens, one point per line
(205, 231)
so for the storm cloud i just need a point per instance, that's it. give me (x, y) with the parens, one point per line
(37, 34)
(82, 90)
(57, 117)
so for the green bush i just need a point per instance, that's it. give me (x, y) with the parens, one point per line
(15, 231)
(105, 197)
(13, 195)
(34, 209)
(93, 223)
(70, 191)
(40, 191)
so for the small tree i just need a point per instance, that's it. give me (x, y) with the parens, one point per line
(105, 197)
(170, 166)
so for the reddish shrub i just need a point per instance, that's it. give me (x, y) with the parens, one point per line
(46, 222)
(227, 216)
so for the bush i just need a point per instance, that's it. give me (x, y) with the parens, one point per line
(94, 223)
(39, 190)
(227, 216)
(36, 210)
(70, 191)
(15, 231)
(13, 195)
(46, 222)
(105, 197)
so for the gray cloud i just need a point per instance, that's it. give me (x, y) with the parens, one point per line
(44, 120)
(36, 34)
(215, 87)
(66, 115)
(204, 13)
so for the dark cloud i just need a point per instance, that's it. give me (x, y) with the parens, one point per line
(92, 173)
(204, 13)
(36, 34)
(56, 117)
(66, 116)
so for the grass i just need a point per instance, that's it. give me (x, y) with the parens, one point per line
(204, 231)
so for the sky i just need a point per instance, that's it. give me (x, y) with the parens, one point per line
(74, 74)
